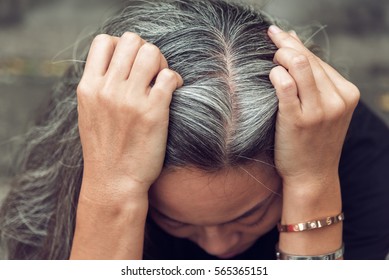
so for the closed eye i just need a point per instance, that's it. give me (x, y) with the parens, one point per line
(252, 221)
(167, 221)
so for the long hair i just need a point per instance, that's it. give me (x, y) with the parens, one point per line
(224, 114)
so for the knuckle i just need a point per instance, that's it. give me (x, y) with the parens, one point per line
(150, 49)
(278, 54)
(83, 89)
(351, 94)
(282, 54)
(338, 110)
(130, 36)
(168, 75)
(287, 85)
(354, 93)
(300, 61)
(354, 89)
(317, 118)
(102, 38)
(150, 119)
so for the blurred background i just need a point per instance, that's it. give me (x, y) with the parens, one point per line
(37, 37)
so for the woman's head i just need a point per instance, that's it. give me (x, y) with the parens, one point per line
(224, 113)
(221, 121)
(224, 212)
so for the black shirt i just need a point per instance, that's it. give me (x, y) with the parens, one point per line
(364, 178)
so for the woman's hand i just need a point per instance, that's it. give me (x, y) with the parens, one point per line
(123, 123)
(315, 108)
(123, 120)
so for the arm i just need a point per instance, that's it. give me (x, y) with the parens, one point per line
(123, 125)
(315, 108)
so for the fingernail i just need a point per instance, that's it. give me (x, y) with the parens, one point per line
(274, 29)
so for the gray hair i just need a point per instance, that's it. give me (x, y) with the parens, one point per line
(223, 116)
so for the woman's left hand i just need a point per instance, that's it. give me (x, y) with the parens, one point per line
(315, 108)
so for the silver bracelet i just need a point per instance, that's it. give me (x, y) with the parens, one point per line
(331, 256)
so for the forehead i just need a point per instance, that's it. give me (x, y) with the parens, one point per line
(197, 197)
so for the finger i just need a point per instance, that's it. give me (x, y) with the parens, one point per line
(300, 69)
(99, 56)
(338, 83)
(291, 40)
(329, 81)
(124, 56)
(294, 35)
(163, 63)
(345, 89)
(285, 40)
(165, 84)
(286, 90)
(146, 66)
(180, 80)
(334, 75)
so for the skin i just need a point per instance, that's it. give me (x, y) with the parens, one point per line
(123, 128)
(215, 211)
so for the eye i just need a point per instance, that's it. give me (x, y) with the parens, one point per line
(252, 220)
(256, 217)
(166, 221)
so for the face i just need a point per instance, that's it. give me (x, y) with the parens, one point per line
(224, 213)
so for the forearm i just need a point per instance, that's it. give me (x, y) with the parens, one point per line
(109, 232)
(307, 204)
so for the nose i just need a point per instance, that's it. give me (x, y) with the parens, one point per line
(217, 240)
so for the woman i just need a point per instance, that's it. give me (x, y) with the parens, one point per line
(208, 125)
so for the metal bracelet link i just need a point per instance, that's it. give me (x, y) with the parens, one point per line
(310, 225)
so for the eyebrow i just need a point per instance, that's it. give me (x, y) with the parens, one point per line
(244, 215)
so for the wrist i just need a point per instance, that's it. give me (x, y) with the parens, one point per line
(311, 199)
(129, 212)
(311, 181)
(111, 193)
(313, 242)
(104, 232)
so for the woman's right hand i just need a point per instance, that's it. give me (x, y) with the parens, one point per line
(123, 120)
